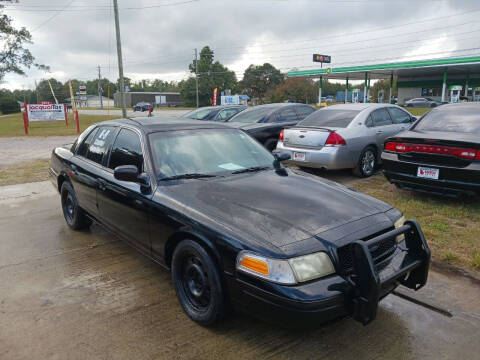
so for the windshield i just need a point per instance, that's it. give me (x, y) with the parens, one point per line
(252, 115)
(333, 118)
(207, 152)
(198, 114)
(455, 119)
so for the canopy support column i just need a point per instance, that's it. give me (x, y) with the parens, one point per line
(368, 89)
(320, 90)
(391, 87)
(365, 89)
(346, 91)
(466, 85)
(444, 88)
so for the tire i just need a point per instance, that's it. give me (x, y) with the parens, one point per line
(433, 105)
(73, 214)
(367, 162)
(409, 105)
(270, 144)
(197, 283)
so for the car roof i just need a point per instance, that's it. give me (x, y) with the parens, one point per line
(165, 123)
(358, 106)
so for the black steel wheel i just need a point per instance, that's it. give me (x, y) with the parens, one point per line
(367, 164)
(197, 283)
(73, 214)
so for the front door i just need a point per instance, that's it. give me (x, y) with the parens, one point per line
(123, 206)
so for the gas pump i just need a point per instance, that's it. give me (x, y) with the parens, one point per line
(476, 94)
(455, 91)
(381, 95)
(355, 95)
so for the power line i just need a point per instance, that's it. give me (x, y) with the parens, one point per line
(53, 16)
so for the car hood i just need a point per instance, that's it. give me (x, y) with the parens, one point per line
(266, 207)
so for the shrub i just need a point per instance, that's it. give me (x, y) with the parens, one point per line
(9, 105)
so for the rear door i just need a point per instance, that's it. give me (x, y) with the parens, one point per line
(123, 206)
(383, 125)
(87, 166)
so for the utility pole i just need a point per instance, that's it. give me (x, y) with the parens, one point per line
(196, 73)
(120, 60)
(100, 88)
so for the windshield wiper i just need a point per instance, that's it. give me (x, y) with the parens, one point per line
(187, 176)
(251, 169)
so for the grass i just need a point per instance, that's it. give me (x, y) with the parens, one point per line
(12, 125)
(418, 111)
(24, 172)
(451, 226)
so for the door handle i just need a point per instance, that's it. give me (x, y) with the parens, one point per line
(102, 185)
(379, 132)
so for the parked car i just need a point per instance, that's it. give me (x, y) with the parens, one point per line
(214, 113)
(264, 122)
(346, 136)
(236, 227)
(422, 103)
(439, 154)
(142, 106)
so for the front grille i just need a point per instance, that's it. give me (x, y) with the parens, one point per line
(379, 252)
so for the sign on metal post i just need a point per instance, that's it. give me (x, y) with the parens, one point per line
(327, 59)
(215, 91)
(51, 112)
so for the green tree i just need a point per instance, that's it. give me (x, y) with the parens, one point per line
(14, 57)
(45, 94)
(211, 74)
(299, 89)
(260, 79)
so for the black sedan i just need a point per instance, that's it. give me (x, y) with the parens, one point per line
(440, 153)
(235, 227)
(265, 122)
(215, 113)
(142, 106)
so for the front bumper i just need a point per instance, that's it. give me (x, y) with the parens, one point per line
(357, 295)
(327, 157)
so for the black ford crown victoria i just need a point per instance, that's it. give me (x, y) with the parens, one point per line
(234, 225)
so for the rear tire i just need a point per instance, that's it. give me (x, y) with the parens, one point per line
(74, 215)
(270, 144)
(197, 283)
(367, 163)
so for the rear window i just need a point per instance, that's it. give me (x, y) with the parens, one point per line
(333, 118)
(454, 119)
(252, 116)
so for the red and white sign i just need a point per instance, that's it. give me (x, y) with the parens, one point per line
(48, 112)
(45, 102)
(429, 173)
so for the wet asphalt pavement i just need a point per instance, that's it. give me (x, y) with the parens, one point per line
(87, 295)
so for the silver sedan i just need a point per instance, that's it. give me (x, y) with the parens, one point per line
(347, 136)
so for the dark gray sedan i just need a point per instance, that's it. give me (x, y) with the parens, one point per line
(423, 102)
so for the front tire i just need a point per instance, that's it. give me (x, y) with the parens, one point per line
(367, 163)
(197, 283)
(74, 215)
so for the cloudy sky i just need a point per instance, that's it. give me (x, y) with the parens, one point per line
(73, 37)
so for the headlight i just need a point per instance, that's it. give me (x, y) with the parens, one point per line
(288, 271)
(398, 224)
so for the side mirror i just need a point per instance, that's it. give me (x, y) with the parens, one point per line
(283, 157)
(126, 173)
(413, 119)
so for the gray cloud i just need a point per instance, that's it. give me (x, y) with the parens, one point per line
(159, 41)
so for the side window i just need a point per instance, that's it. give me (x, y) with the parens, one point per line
(287, 115)
(369, 121)
(304, 111)
(85, 145)
(100, 143)
(399, 116)
(126, 150)
(381, 117)
(226, 114)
